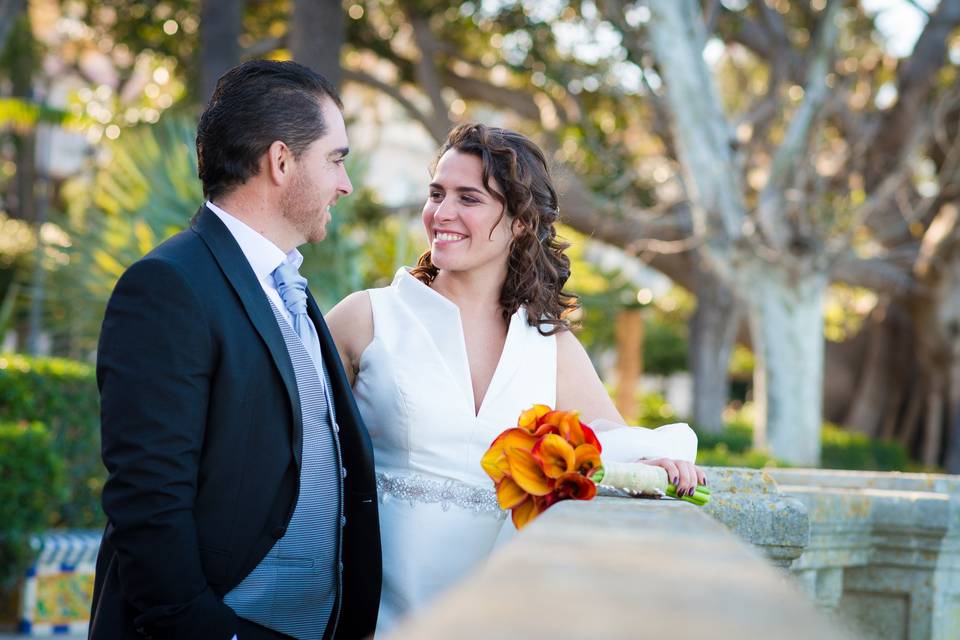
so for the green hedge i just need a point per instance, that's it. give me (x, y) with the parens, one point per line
(61, 394)
(733, 447)
(31, 479)
(840, 449)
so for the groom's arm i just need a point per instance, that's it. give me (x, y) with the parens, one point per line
(154, 364)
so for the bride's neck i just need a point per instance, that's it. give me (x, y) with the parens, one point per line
(469, 291)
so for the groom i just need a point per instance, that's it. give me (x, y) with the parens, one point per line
(241, 498)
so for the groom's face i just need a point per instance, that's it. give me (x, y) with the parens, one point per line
(319, 179)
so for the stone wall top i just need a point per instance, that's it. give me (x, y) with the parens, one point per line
(620, 568)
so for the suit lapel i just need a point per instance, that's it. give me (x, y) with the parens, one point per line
(237, 270)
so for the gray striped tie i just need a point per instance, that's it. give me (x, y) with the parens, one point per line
(293, 290)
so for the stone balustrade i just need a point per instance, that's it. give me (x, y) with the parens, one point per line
(884, 550)
(622, 568)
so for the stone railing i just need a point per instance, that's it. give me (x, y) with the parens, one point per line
(622, 568)
(884, 550)
(876, 554)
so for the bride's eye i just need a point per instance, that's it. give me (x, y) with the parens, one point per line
(435, 195)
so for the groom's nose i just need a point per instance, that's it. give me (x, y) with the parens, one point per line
(344, 185)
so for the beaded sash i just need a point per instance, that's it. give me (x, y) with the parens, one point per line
(414, 488)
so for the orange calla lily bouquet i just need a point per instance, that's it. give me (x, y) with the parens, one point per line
(551, 456)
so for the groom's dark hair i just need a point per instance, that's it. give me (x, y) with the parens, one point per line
(254, 105)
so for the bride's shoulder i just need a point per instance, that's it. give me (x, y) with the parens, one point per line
(351, 324)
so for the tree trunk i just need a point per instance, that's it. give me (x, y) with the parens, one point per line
(713, 330)
(870, 398)
(221, 23)
(933, 427)
(9, 13)
(317, 33)
(952, 458)
(629, 360)
(786, 319)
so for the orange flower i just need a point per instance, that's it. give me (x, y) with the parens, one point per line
(494, 461)
(570, 427)
(576, 486)
(509, 493)
(543, 502)
(589, 437)
(526, 472)
(525, 512)
(530, 419)
(586, 460)
(555, 455)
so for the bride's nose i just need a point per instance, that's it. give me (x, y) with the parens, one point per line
(444, 211)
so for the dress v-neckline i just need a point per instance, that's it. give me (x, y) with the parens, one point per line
(458, 363)
(496, 370)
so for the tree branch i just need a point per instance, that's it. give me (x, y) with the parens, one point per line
(875, 274)
(428, 77)
(520, 102)
(700, 129)
(772, 204)
(914, 82)
(437, 130)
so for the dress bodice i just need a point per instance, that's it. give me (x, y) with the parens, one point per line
(414, 389)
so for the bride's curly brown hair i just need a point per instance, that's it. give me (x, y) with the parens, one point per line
(537, 268)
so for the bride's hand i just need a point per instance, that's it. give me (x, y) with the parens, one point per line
(685, 475)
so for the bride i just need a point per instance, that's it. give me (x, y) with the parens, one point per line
(448, 356)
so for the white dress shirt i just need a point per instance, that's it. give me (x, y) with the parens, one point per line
(264, 256)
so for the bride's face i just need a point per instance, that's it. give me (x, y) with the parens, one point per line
(466, 225)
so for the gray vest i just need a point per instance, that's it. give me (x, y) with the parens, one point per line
(294, 588)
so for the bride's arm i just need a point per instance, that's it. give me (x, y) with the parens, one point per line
(579, 388)
(351, 325)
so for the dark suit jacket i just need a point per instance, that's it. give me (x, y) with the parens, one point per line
(201, 429)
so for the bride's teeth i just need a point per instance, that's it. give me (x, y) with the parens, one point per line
(448, 236)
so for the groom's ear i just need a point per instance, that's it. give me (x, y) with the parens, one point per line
(278, 160)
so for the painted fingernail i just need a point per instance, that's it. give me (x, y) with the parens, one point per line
(676, 479)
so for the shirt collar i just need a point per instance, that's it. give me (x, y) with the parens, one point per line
(264, 256)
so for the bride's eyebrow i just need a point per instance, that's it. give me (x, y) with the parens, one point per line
(437, 185)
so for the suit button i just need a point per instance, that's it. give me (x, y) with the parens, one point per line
(343, 472)
(343, 521)
(336, 428)
(278, 532)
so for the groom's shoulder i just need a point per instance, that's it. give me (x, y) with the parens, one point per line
(184, 247)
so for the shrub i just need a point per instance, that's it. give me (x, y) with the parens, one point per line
(721, 456)
(61, 394)
(31, 479)
(844, 449)
(733, 446)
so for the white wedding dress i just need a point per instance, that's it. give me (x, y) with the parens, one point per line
(439, 517)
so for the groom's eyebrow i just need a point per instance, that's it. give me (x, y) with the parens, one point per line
(337, 154)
